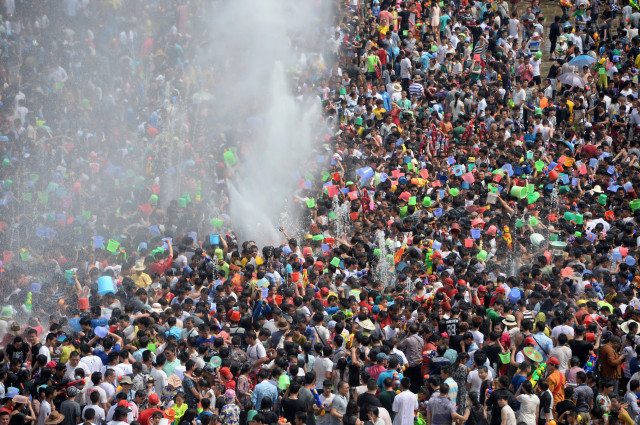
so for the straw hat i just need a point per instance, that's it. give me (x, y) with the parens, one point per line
(509, 320)
(174, 381)
(367, 325)
(282, 324)
(625, 326)
(54, 418)
(15, 328)
(139, 266)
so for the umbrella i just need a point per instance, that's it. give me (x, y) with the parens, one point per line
(201, 97)
(582, 60)
(571, 79)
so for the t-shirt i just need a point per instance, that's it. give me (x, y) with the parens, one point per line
(291, 406)
(440, 408)
(507, 412)
(386, 399)
(45, 411)
(528, 406)
(71, 411)
(321, 367)
(340, 404)
(99, 414)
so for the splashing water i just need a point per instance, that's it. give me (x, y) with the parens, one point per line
(383, 271)
(342, 223)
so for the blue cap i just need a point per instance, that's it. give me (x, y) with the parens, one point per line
(12, 392)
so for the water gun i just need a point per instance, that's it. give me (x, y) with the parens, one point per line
(429, 260)
(316, 398)
(29, 303)
(419, 420)
(634, 4)
(396, 382)
(489, 390)
(590, 365)
(149, 167)
(507, 237)
(537, 374)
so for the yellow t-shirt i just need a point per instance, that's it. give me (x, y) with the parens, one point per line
(379, 112)
(66, 351)
(141, 280)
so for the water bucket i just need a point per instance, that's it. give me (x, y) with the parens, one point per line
(214, 239)
(295, 277)
(492, 198)
(83, 304)
(69, 275)
(518, 192)
(98, 241)
(635, 204)
(365, 173)
(105, 285)
(35, 287)
(505, 358)
(153, 199)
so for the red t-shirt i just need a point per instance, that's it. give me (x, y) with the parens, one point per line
(145, 415)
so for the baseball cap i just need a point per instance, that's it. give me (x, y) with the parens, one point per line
(154, 399)
(500, 290)
(553, 361)
(529, 340)
(125, 380)
(382, 356)
(482, 288)
(12, 392)
(72, 391)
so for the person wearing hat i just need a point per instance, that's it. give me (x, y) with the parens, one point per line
(154, 403)
(70, 408)
(556, 381)
(139, 277)
(230, 413)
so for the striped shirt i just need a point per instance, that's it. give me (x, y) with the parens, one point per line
(416, 89)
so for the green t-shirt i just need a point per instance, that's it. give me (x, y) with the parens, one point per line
(458, 132)
(492, 315)
(372, 60)
(386, 400)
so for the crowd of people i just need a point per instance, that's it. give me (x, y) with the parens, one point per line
(465, 250)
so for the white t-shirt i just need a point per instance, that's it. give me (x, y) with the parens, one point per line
(405, 68)
(405, 404)
(44, 351)
(528, 406)
(160, 379)
(475, 380)
(45, 411)
(94, 363)
(256, 352)
(321, 367)
(507, 412)
(100, 415)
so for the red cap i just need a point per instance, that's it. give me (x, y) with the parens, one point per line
(500, 290)
(448, 281)
(405, 196)
(235, 316)
(553, 361)
(51, 364)
(154, 399)
(123, 403)
(529, 340)
(324, 291)
(482, 288)
(461, 282)
(432, 278)
(436, 255)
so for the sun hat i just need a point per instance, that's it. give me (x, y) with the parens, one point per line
(509, 320)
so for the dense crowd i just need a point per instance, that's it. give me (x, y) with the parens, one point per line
(465, 248)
